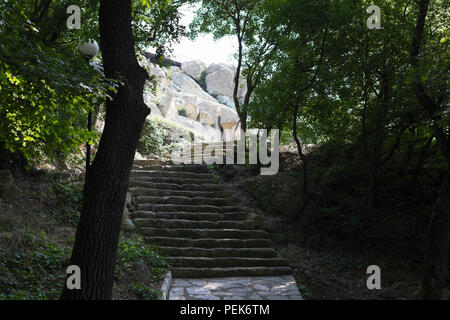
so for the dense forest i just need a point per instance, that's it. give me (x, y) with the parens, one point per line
(360, 98)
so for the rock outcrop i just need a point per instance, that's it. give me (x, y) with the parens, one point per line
(194, 69)
(179, 97)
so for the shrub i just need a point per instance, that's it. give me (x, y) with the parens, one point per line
(152, 138)
(202, 81)
(182, 112)
(144, 292)
(68, 199)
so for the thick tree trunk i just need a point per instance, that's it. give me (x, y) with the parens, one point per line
(104, 194)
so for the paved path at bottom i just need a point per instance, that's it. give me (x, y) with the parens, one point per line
(249, 288)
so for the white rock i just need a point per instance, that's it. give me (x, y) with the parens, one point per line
(191, 109)
(205, 118)
(217, 111)
(192, 98)
(212, 133)
(220, 82)
(215, 66)
(167, 106)
(156, 71)
(196, 127)
(228, 101)
(194, 68)
(187, 84)
(155, 112)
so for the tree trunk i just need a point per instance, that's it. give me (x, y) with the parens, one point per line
(304, 191)
(241, 113)
(105, 190)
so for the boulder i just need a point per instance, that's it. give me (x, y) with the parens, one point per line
(155, 111)
(128, 200)
(220, 81)
(205, 118)
(228, 101)
(212, 133)
(194, 68)
(140, 272)
(192, 98)
(229, 124)
(184, 83)
(191, 109)
(175, 69)
(216, 66)
(192, 125)
(217, 110)
(128, 225)
(157, 71)
(167, 106)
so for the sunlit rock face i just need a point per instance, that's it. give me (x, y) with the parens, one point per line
(197, 97)
(219, 79)
(194, 69)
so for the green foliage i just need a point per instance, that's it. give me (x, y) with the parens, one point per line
(132, 250)
(160, 136)
(46, 88)
(144, 292)
(68, 199)
(46, 92)
(182, 112)
(202, 81)
(38, 273)
(152, 138)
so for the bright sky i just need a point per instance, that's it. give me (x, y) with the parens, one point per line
(204, 48)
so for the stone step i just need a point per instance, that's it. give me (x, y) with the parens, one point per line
(186, 208)
(193, 216)
(208, 242)
(173, 180)
(184, 200)
(174, 167)
(176, 186)
(230, 272)
(189, 215)
(137, 192)
(204, 233)
(170, 174)
(189, 224)
(208, 153)
(218, 252)
(228, 262)
(199, 160)
(223, 145)
(149, 162)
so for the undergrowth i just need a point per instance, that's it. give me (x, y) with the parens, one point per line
(36, 237)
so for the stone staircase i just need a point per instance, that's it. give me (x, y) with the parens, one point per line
(186, 211)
